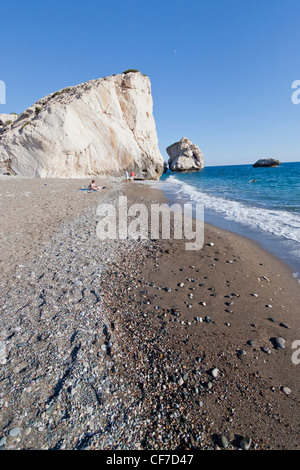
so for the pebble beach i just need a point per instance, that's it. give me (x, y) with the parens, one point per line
(139, 344)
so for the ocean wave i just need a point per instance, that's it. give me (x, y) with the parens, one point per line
(297, 276)
(277, 222)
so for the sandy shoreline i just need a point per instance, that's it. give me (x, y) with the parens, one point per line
(101, 347)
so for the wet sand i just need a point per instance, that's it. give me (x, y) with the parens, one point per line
(115, 345)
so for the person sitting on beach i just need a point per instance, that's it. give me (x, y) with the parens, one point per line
(94, 187)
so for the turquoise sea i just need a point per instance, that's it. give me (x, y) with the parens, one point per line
(260, 203)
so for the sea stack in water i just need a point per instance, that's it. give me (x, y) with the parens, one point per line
(99, 128)
(266, 162)
(185, 156)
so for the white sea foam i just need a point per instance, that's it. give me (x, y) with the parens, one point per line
(277, 222)
(297, 276)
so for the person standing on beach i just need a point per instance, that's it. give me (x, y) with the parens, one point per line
(132, 176)
(127, 176)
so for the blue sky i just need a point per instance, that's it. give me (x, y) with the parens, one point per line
(221, 70)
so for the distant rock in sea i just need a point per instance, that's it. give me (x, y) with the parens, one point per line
(185, 156)
(99, 128)
(266, 162)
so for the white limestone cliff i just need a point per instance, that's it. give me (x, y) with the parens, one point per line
(99, 128)
(5, 121)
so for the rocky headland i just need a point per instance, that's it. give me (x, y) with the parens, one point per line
(101, 127)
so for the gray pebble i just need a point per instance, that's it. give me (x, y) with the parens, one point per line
(215, 373)
(245, 443)
(2, 441)
(14, 432)
(242, 352)
(224, 441)
(280, 343)
(180, 381)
